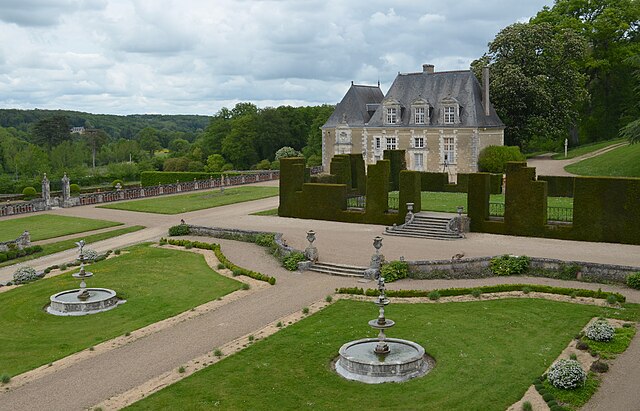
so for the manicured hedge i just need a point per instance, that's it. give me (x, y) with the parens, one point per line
(358, 175)
(323, 179)
(607, 209)
(221, 257)
(410, 192)
(478, 200)
(398, 162)
(433, 181)
(292, 177)
(154, 178)
(525, 201)
(378, 188)
(500, 288)
(559, 186)
(340, 167)
(17, 253)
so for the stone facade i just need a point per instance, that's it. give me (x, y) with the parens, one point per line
(442, 121)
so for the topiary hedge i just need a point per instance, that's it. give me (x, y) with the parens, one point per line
(29, 193)
(397, 162)
(433, 181)
(559, 186)
(494, 159)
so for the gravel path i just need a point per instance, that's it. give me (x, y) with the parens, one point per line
(546, 166)
(104, 375)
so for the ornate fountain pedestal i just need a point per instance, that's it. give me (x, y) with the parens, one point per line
(382, 359)
(83, 300)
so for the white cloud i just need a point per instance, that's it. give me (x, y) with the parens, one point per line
(196, 56)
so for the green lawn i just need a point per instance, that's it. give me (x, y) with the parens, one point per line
(448, 202)
(487, 355)
(620, 162)
(157, 283)
(195, 201)
(43, 226)
(586, 149)
(53, 248)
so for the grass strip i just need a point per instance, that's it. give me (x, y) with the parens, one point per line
(195, 201)
(494, 349)
(500, 288)
(586, 149)
(59, 246)
(236, 270)
(610, 349)
(620, 162)
(45, 226)
(157, 284)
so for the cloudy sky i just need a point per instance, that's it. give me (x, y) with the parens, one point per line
(196, 56)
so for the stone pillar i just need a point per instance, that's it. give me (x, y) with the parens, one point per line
(311, 252)
(66, 191)
(376, 260)
(46, 191)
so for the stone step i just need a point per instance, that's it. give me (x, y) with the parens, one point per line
(422, 235)
(338, 269)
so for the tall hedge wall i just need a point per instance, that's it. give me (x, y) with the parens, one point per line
(398, 162)
(410, 192)
(525, 201)
(433, 181)
(340, 167)
(292, 172)
(607, 209)
(478, 200)
(358, 175)
(153, 178)
(559, 186)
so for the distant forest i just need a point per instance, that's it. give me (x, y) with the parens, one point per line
(109, 147)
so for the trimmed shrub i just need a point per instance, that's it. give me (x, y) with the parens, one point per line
(74, 189)
(29, 193)
(493, 159)
(24, 274)
(394, 270)
(509, 265)
(566, 374)
(600, 330)
(398, 163)
(180, 229)
(434, 295)
(114, 183)
(633, 280)
(291, 261)
(599, 366)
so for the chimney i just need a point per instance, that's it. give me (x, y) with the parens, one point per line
(485, 90)
(428, 68)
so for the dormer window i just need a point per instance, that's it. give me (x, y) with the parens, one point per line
(420, 111)
(392, 115)
(450, 111)
(449, 114)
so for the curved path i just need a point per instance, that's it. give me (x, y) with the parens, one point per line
(546, 166)
(107, 374)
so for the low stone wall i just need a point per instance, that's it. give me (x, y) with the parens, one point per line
(543, 267)
(19, 243)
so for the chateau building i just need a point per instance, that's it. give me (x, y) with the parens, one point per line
(441, 119)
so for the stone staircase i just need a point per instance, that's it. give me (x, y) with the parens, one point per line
(428, 225)
(337, 269)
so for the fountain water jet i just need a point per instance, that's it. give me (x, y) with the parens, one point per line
(382, 359)
(84, 300)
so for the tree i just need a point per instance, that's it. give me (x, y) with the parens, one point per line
(176, 164)
(148, 138)
(179, 147)
(215, 162)
(612, 30)
(32, 161)
(237, 146)
(632, 130)
(536, 84)
(68, 155)
(51, 131)
(95, 138)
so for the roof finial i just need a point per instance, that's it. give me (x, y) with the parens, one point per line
(352, 82)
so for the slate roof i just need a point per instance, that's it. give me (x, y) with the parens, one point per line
(354, 106)
(463, 86)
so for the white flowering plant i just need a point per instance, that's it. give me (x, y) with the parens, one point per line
(566, 374)
(89, 254)
(600, 330)
(24, 275)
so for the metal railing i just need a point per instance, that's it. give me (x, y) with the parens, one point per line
(356, 202)
(394, 203)
(563, 214)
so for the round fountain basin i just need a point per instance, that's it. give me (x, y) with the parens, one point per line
(359, 362)
(67, 302)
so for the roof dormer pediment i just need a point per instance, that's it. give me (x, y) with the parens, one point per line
(420, 102)
(390, 101)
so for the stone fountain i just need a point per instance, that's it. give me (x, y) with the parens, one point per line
(382, 359)
(83, 301)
